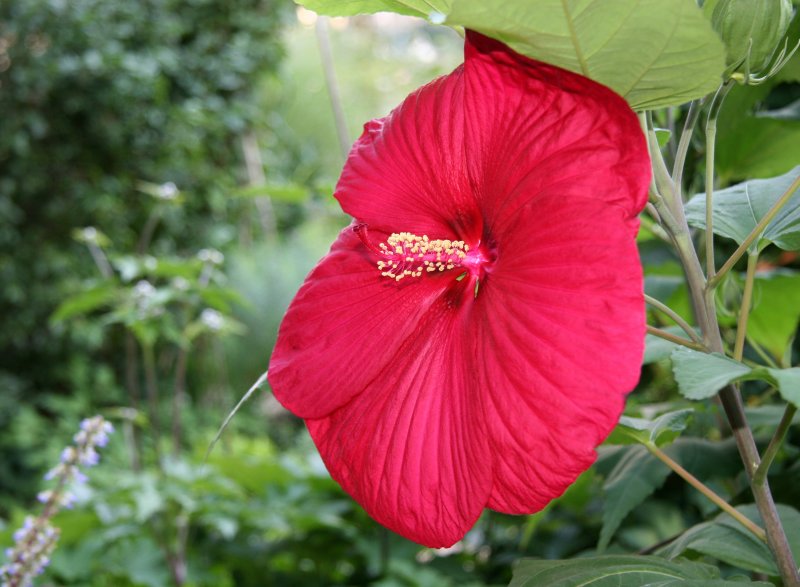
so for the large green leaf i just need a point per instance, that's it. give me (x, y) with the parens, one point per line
(617, 571)
(749, 146)
(776, 311)
(727, 540)
(637, 474)
(652, 52)
(739, 208)
(424, 8)
(701, 375)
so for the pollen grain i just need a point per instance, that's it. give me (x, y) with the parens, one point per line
(408, 255)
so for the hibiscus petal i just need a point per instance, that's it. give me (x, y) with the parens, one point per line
(410, 448)
(560, 329)
(344, 326)
(407, 171)
(530, 125)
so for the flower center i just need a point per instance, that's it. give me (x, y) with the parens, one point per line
(407, 255)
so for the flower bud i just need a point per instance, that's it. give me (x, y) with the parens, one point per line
(751, 31)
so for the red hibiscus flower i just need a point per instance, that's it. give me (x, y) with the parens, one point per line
(470, 339)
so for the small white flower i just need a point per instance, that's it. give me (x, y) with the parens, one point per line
(213, 319)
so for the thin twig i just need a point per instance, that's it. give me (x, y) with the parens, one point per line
(711, 141)
(325, 53)
(755, 233)
(744, 310)
(775, 444)
(259, 382)
(676, 339)
(705, 490)
(683, 145)
(674, 316)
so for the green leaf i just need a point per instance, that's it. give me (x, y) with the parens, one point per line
(652, 431)
(757, 147)
(424, 8)
(701, 375)
(728, 541)
(85, 301)
(635, 476)
(776, 311)
(737, 582)
(739, 208)
(611, 571)
(788, 383)
(653, 53)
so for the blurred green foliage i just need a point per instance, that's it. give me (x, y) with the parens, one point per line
(96, 97)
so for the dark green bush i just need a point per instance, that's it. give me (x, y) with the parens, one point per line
(97, 97)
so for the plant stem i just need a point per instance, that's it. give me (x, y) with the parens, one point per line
(325, 53)
(676, 339)
(705, 490)
(254, 165)
(674, 316)
(179, 399)
(149, 229)
(711, 139)
(683, 146)
(259, 382)
(744, 310)
(702, 295)
(762, 354)
(755, 233)
(760, 476)
(151, 385)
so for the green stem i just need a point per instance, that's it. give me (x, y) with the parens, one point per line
(676, 339)
(762, 353)
(711, 139)
(683, 146)
(711, 133)
(755, 233)
(259, 382)
(326, 55)
(705, 490)
(781, 431)
(661, 177)
(702, 296)
(744, 310)
(674, 316)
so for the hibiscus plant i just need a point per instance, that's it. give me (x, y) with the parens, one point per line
(472, 336)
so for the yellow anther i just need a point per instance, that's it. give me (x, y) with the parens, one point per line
(406, 254)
